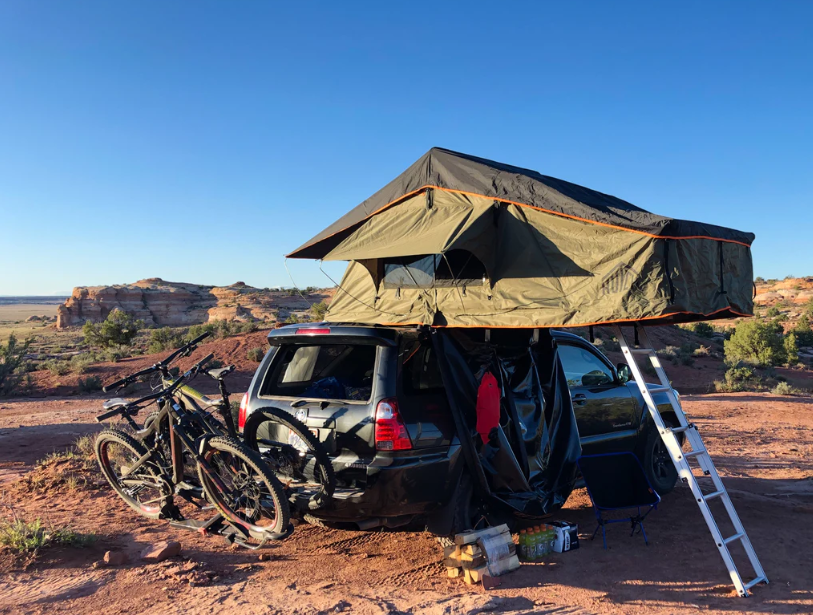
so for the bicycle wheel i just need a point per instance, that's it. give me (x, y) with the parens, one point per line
(116, 451)
(243, 490)
(308, 462)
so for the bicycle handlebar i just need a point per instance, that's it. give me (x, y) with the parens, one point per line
(184, 350)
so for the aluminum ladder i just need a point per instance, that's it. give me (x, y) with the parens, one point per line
(681, 459)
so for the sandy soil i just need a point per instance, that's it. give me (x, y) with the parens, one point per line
(763, 446)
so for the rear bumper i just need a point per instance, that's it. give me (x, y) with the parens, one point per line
(403, 484)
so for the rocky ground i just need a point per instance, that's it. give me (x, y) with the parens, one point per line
(763, 445)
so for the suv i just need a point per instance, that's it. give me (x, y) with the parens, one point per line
(375, 399)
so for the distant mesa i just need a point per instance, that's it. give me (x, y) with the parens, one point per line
(178, 304)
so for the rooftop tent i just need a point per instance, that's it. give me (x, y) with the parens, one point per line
(460, 241)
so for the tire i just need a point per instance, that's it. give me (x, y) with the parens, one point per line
(658, 466)
(114, 450)
(465, 511)
(263, 509)
(323, 472)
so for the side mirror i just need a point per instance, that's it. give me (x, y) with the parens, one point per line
(624, 373)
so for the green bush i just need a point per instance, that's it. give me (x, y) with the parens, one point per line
(756, 343)
(91, 384)
(222, 328)
(791, 349)
(803, 331)
(167, 339)
(255, 354)
(783, 388)
(80, 363)
(118, 329)
(57, 367)
(114, 354)
(703, 329)
(13, 366)
(683, 355)
(759, 280)
(318, 311)
(739, 378)
(773, 312)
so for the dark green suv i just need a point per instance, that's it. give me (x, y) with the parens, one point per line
(386, 423)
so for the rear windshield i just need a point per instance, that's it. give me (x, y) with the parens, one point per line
(322, 371)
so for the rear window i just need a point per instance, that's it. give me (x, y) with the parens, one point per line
(322, 371)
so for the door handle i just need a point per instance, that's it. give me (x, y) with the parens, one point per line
(580, 399)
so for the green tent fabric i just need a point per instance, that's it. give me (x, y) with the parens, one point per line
(460, 241)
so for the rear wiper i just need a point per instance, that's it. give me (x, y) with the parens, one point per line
(322, 403)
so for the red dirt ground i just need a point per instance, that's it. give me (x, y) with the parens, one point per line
(763, 445)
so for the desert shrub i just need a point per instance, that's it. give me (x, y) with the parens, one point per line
(114, 354)
(783, 388)
(791, 349)
(318, 311)
(80, 363)
(703, 329)
(255, 354)
(119, 329)
(13, 365)
(756, 343)
(803, 331)
(739, 378)
(759, 280)
(222, 328)
(680, 355)
(27, 536)
(167, 339)
(91, 384)
(57, 367)
(702, 351)
(773, 312)
(293, 319)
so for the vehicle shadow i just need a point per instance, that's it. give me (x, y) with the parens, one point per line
(681, 565)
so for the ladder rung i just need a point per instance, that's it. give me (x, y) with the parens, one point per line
(648, 351)
(695, 453)
(734, 537)
(716, 494)
(682, 429)
(750, 584)
(659, 389)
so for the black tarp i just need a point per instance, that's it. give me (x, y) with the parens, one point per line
(529, 463)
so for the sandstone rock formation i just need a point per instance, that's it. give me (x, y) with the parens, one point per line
(176, 304)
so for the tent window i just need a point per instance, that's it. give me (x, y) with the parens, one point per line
(430, 270)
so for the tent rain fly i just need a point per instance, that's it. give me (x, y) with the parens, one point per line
(460, 241)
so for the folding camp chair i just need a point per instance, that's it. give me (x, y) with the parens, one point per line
(616, 481)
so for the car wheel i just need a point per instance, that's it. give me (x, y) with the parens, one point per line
(657, 463)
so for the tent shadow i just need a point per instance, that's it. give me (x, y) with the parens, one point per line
(681, 565)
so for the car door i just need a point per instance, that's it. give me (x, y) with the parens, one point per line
(605, 409)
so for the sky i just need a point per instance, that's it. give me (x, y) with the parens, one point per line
(202, 141)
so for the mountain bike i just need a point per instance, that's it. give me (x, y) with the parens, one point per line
(295, 455)
(151, 467)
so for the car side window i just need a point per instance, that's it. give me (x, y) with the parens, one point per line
(421, 373)
(583, 368)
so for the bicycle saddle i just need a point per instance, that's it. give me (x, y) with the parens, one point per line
(114, 403)
(221, 372)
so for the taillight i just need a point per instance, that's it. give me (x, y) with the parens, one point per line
(312, 331)
(390, 432)
(241, 415)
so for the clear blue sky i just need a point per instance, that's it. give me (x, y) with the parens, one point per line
(201, 141)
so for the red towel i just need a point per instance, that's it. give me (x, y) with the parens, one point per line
(488, 405)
